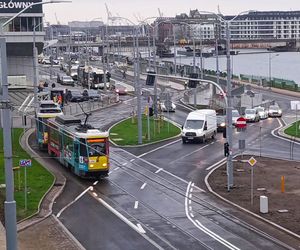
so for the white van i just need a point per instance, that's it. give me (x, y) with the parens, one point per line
(200, 125)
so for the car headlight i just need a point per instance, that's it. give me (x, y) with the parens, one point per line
(222, 124)
(279, 111)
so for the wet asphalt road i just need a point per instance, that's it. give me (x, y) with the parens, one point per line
(154, 191)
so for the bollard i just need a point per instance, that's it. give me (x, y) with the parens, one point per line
(282, 184)
(263, 204)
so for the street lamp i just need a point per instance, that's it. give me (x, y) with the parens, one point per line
(270, 68)
(10, 203)
(229, 97)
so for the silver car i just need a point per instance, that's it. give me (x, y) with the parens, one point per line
(235, 116)
(275, 111)
(251, 115)
(262, 112)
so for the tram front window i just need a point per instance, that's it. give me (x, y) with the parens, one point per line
(97, 149)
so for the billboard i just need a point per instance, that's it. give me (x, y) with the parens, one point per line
(15, 6)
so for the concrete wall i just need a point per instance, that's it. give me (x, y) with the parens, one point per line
(21, 65)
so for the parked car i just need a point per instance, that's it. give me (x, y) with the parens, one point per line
(262, 112)
(167, 106)
(74, 96)
(221, 123)
(235, 116)
(91, 94)
(120, 89)
(251, 115)
(274, 111)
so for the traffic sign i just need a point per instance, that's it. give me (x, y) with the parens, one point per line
(241, 122)
(25, 163)
(252, 161)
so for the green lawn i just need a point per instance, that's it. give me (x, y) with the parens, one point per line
(293, 130)
(38, 178)
(126, 132)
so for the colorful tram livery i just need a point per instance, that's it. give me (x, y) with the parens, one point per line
(83, 149)
(47, 109)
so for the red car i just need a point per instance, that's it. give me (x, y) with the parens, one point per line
(120, 89)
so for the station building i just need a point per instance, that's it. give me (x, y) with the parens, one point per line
(19, 35)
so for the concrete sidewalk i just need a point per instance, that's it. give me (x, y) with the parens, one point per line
(2, 237)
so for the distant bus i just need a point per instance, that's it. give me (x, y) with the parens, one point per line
(96, 76)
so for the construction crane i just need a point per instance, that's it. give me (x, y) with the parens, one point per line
(160, 13)
(56, 18)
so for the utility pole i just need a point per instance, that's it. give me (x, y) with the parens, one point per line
(155, 69)
(139, 105)
(229, 112)
(10, 203)
(35, 76)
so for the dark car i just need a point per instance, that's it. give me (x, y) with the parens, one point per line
(75, 96)
(91, 94)
(221, 123)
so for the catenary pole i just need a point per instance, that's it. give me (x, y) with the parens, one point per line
(10, 203)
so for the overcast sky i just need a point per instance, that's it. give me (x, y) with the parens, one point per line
(86, 10)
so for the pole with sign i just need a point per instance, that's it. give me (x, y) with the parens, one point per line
(252, 162)
(25, 163)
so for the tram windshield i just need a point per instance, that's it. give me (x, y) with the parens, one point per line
(97, 147)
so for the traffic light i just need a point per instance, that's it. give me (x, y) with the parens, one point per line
(226, 149)
(193, 83)
(150, 78)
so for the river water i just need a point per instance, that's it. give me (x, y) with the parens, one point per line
(284, 65)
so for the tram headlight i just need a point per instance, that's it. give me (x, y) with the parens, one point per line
(104, 165)
(92, 165)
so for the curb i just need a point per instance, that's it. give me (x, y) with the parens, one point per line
(25, 223)
(244, 209)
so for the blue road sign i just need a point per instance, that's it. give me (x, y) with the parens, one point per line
(25, 163)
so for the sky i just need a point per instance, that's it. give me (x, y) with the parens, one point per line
(87, 10)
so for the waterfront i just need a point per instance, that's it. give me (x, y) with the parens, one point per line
(285, 65)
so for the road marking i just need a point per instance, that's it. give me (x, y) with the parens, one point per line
(217, 163)
(72, 202)
(95, 183)
(95, 194)
(143, 186)
(190, 202)
(166, 145)
(124, 164)
(136, 204)
(122, 217)
(192, 215)
(192, 190)
(141, 228)
(203, 228)
(279, 137)
(132, 160)
(193, 152)
(158, 170)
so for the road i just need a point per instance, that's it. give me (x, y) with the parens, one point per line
(161, 188)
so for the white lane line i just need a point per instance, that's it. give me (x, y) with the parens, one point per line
(158, 170)
(124, 164)
(187, 155)
(192, 190)
(136, 205)
(166, 145)
(123, 218)
(190, 202)
(117, 168)
(72, 202)
(141, 228)
(95, 183)
(132, 160)
(192, 215)
(143, 186)
(203, 228)
(217, 163)
(169, 173)
(95, 194)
